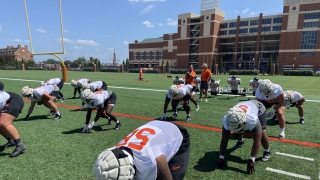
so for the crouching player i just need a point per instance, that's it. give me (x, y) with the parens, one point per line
(77, 86)
(56, 81)
(247, 115)
(104, 101)
(156, 150)
(11, 105)
(176, 94)
(214, 86)
(45, 95)
(98, 85)
(254, 83)
(294, 98)
(234, 83)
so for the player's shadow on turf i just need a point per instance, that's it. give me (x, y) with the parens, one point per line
(37, 117)
(95, 128)
(208, 161)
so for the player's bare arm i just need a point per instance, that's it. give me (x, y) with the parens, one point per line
(224, 141)
(31, 108)
(88, 116)
(163, 171)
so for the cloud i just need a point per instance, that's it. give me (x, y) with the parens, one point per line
(171, 22)
(148, 24)
(246, 10)
(253, 13)
(160, 24)
(16, 40)
(146, 10)
(125, 42)
(42, 30)
(107, 35)
(133, 1)
(66, 31)
(0, 28)
(236, 11)
(110, 49)
(80, 42)
(77, 47)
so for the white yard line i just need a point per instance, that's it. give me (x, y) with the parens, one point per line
(288, 173)
(140, 89)
(294, 156)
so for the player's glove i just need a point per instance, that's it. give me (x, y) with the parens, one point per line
(163, 116)
(250, 167)
(26, 118)
(220, 163)
(270, 113)
(39, 102)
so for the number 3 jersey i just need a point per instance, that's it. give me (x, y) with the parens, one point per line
(150, 141)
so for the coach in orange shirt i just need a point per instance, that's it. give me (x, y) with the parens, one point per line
(205, 79)
(189, 79)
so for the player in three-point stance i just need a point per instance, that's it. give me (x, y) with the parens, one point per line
(56, 81)
(11, 105)
(78, 85)
(247, 115)
(254, 83)
(104, 101)
(234, 84)
(156, 150)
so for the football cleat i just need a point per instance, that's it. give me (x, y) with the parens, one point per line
(174, 115)
(188, 118)
(302, 121)
(238, 144)
(109, 121)
(63, 99)
(281, 136)
(51, 112)
(206, 100)
(8, 144)
(18, 150)
(197, 108)
(90, 126)
(117, 126)
(199, 100)
(266, 156)
(85, 128)
(57, 116)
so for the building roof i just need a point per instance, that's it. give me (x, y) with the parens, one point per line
(5, 49)
(152, 40)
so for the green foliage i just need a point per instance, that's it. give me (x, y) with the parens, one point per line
(212, 66)
(277, 66)
(2, 61)
(109, 70)
(167, 67)
(298, 73)
(243, 72)
(127, 65)
(183, 71)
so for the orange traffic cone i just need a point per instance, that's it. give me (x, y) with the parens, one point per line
(140, 74)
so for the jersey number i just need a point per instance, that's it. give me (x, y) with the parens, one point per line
(233, 83)
(212, 85)
(139, 135)
(243, 107)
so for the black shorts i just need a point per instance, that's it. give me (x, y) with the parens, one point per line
(235, 92)
(60, 85)
(186, 98)
(268, 105)
(104, 85)
(179, 162)
(214, 93)
(14, 105)
(193, 88)
(204, 85)
(54, 93)
(111, 100)
(254, 93)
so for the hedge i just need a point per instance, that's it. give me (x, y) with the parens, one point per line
(183, 71)
(244, 72)
(144, 71)
(109, 70)
(298, 73)
(8, 68)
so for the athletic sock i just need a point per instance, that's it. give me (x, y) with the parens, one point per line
(267, 150)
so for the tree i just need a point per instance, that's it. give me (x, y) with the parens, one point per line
(214, 62)
(167, 67)
(127, 65)
(1, 61)
(277, 66)
(269, 65)
(221, 66)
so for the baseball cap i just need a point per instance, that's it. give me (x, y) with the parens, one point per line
(204, 65)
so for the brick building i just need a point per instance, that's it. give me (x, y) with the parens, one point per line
(16, 53)
(242, 43)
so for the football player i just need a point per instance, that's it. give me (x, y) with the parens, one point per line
(45, 95)
(11, 105)
(294, 98)
(104, 101)
(272, 95)
(77, 86)
(190, 88)
(214, 86)
(57, 81)
(98, 85)
(156, 150)
(205, 79)
(234, 84)
(254, 83)
(176, 94)
(247, 115)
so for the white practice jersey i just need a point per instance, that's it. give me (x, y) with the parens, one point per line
(273, 96)
(183, 90)
(254, 84)
(4, 97)
(197, 80)
(234, 84)
(81, 81)
(38, 92)
(99, 98)
(296, 97)
(251, 111)
(150, 141)
(95, 85)
(53, 81)
(214, 86)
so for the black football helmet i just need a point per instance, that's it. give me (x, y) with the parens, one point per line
(233, 77)
(256, 79)
(213, 80)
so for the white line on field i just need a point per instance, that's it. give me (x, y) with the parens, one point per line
(140, 89)
(288, 173)
(294, 156)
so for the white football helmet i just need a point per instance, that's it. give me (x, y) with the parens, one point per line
(236, 119)
(43, 83)
(173, 91)
(265, 87)
(87, 96)
(289, 95)
(27, 91)
(113, 165)
(85, 86)
(74, 83)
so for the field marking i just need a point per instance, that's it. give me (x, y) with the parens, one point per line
(294, 156)
(288, 173)
(140, 89)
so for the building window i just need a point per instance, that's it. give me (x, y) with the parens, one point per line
(224, 25)
(254, 22)
(310, 24)
(307, 53)
(243, 23)
(223, 32)
(232, 24)
(147, 55)
(160, 55)
(276, 28)
(312, 15)
(233, 31)
(253, 30)
(267, 28)
(266, 21)
(141, 55)
(241, 31)
(154, 55)
(135, 55)
(309, 39)
(277, 20)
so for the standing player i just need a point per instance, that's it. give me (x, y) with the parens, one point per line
(156, 150)
(234, 83)
(214, 86)
(205, 79)
(56, 81)
(294, 98)
(77, 86)
(104, 101)
(11, 105)
(247, 115)
(271, 94)
(43, 94)
(254, 83)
